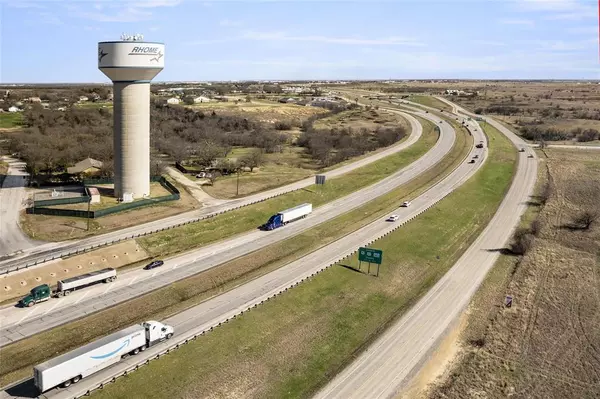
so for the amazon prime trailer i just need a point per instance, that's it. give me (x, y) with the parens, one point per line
(71, 367)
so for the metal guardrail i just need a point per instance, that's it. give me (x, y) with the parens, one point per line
(116, 241)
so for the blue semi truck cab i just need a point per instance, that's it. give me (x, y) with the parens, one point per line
(289, 215)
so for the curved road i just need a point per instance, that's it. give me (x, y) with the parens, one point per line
(18, 323)
(388, 363)
(213, 312)
(47, 251)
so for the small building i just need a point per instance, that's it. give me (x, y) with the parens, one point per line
(34, 100)
(46, 105)
(63, 109)
(94, 195)
(13, 109)
(173, 100)
(201, 99)
(88, 166)
(83, 98)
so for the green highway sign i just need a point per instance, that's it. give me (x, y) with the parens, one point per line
(370, 255)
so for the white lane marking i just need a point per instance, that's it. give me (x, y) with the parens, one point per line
(31, 312)
(132, 280)
(52, 308)
(83, 296)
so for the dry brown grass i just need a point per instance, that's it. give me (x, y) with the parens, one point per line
(16, 285)
(547, 344)
(59, 228)
(532, 98)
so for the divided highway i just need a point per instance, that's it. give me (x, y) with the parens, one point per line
(211, 313)
(387, 364)
(47, 251)
(18, 323)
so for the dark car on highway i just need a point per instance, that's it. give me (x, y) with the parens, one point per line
(153, 264)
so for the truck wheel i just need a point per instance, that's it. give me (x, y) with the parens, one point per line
(30, 304)
(135, 351)
(169, 336)
(76, 379)
(66, 384)
(143, 348)
(67, 293)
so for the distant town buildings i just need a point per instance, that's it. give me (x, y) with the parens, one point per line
(173, 100)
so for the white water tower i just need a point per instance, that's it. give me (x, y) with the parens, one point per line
(131, 64)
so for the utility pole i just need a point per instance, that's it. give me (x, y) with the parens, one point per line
(88, 212)
(237, 188)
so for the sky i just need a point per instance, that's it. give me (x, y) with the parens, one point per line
(49, 41)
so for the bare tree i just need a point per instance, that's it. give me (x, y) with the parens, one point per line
(522, 242)
(252, 160)
(208, 152)
(585, 219)
(542, 144)
(213, 176)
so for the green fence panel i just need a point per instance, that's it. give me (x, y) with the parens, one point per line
(61, 201)
(133, 205)
(58, 212)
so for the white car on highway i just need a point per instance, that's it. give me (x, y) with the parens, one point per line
(393, 218)
(406, 204)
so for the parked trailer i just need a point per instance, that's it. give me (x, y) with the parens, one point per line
(43, 292)
(71, 367)
(71, 284)
(287, 216)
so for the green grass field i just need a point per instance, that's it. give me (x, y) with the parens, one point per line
(10, 120)
(234, 222)
(290, 346)
(430, 102)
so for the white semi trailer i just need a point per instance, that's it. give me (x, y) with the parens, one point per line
(287, 216)
(71, 367)
(64, 287)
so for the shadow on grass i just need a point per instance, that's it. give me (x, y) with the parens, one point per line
(350, 268)
(572, 227)
(503, 251)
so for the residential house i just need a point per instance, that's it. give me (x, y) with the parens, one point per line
(34, 100)
(173, 100)
(46, 105)
(14, 109)
(83, 98)
(201, 99)
(63, 109)
(88, 166)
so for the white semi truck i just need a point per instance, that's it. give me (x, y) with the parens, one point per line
(287, 216)
(71, 367)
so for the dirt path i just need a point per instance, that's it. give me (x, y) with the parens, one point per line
(194, 189)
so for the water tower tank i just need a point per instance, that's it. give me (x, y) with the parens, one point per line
(131, 64)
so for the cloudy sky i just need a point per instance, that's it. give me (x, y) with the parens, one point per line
(55, 41)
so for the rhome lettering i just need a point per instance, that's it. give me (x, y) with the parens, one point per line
(145, 50)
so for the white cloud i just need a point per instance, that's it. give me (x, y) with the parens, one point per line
(125, 11)
(561, 9)
(489, 43)
(522, 22)
(282, 36)
(229, 22)
(25, 4)
(49, 18)
(155, 3)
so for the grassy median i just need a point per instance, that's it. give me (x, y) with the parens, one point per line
(189, 292)
(191, 236)
(290, 346)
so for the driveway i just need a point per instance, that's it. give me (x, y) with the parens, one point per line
(12, 201)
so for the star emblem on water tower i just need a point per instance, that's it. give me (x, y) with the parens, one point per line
(101, 54)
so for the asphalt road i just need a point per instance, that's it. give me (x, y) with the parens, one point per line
(383, 369)
(12, 196)
(18, 323)
(217, 310)
(46, 251)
